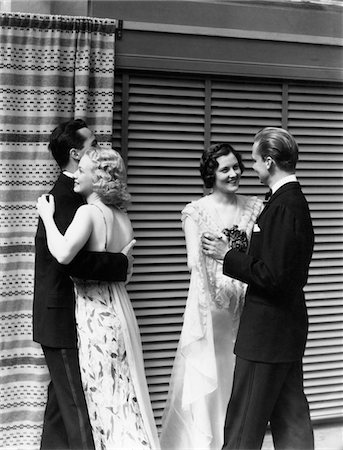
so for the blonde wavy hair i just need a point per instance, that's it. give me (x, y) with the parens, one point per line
(109, 180)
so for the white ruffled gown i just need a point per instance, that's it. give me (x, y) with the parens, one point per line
(202, 375)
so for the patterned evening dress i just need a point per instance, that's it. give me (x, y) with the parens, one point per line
(112, 369)
(202, 376)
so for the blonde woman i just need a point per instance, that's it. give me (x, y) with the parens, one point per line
(110, 351)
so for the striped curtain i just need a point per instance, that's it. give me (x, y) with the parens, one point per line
(52, 68)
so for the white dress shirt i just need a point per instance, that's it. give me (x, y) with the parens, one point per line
(278, 184)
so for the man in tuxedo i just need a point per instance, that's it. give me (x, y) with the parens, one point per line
(268, 379)
(66, 422)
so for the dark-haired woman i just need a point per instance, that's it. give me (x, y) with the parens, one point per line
(110, 352)
(202, 376)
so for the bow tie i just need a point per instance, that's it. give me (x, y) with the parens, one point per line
(268, 195)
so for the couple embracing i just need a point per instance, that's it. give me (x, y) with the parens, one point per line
(82, 316)
(238, 365)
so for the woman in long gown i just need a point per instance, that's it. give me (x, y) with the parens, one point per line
(110, 352)
(202, 375)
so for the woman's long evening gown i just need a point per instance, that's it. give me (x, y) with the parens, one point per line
(112, 369)
(202, 375)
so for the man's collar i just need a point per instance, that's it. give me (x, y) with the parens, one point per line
(68, 174)
(287, 179)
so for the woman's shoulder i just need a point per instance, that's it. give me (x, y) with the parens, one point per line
(250, 201)
(251, 207)
(194, 206)
(119, 213)
(91, 210)
(85, 210)
(98, 213)
(199, 202)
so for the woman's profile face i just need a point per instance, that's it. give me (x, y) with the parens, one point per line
(228, 174)
(83, 177)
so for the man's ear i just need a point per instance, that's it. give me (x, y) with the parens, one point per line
(75, 154)
(269, 162)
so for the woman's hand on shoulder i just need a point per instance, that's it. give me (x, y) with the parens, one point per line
(46, 206)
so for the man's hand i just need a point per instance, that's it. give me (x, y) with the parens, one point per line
(127, 251)
(214, 246)
(128, 248)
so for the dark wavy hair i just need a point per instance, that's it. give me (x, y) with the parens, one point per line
(109, 180)
(209, 163)
(65, 137)
(280, 145)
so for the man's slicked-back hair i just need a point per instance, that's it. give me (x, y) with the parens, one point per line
(65, 137)
(280, 145)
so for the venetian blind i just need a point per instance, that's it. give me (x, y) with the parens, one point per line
(165, 138)
(162, 124)
(238, 111)
(315, 116)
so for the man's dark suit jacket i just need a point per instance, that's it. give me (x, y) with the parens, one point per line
(274, 323)
(54, 302)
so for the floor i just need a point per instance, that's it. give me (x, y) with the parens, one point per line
(326, 437)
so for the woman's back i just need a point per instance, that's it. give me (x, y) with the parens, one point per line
(112, 229)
